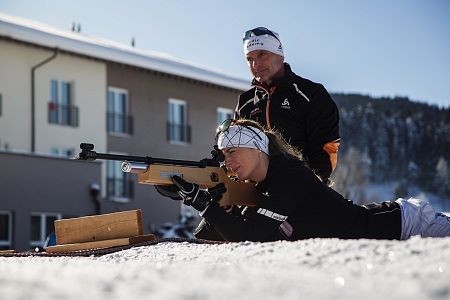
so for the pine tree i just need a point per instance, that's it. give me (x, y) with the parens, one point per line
(405, 141)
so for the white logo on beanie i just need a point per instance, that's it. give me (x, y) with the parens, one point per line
(263, 42)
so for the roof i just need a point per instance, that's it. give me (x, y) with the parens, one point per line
(41, 34)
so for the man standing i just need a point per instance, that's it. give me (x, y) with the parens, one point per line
(301, 110)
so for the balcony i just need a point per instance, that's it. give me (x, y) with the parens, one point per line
(60, 114)
(178, 132)
(119, 123)
(119, 188)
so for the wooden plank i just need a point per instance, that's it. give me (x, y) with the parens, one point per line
(100, 244)
(7, 251)
(99, 227)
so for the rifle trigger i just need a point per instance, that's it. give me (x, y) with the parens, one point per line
(214, 177)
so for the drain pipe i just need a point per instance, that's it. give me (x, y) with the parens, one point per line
(33, 125)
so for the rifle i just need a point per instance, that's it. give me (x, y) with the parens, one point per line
(207, 173)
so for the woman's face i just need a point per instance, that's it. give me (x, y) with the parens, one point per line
(242, 161)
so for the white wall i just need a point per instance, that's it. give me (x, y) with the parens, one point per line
(89, 84)
(15, 87)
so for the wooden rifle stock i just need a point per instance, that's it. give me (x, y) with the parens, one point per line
(159, 171)
(237, 193)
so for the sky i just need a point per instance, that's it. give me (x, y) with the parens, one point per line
(378, 48)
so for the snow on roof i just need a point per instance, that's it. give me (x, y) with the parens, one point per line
(47, 36)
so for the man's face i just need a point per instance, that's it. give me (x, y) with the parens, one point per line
(265, 65)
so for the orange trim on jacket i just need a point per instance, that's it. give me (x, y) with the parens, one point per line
(271, 90)
(332, 149)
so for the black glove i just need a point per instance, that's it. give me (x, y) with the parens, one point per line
(191, 194)
(170, 191)
(217, 191)
(207, 232)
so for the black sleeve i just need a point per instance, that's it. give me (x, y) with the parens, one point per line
(262, 222)
(236, 110)
(233, 228)
(323, 127)
(242, 100)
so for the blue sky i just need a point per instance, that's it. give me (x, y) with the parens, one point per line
(379, 48)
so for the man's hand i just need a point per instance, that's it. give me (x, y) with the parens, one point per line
(191, 194)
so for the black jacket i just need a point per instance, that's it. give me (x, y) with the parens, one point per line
(301, 110)
(295, 205)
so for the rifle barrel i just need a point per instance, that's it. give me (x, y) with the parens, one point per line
(134, 167)
(87, 153)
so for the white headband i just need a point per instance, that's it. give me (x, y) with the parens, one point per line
(243, 137)
(263, 42)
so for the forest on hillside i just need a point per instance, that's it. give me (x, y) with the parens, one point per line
(395, 140)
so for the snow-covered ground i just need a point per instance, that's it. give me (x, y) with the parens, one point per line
(311, 269)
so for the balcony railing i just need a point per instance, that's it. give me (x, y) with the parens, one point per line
(119, 187)
(119, 123)
(178, 132)
(62, 114)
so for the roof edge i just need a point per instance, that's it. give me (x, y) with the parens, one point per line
(41, 34)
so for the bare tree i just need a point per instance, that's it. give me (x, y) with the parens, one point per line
(441, 180)
(352, 175)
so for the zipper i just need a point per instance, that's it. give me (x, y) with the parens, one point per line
(267, 113)
(269, 93)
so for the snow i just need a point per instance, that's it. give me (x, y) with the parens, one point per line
(311, 269)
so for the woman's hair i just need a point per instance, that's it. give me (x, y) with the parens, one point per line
(277, 144)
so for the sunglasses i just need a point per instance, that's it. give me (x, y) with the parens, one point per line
(258, 31)
(226, 125)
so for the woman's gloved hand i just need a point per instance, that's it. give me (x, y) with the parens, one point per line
(191, 194)
(170, 191)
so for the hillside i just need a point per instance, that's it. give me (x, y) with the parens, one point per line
(393, 140)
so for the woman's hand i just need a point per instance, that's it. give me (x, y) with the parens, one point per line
(191, 194)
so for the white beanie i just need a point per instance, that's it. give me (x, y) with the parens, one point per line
(243, 137)
(264, 42)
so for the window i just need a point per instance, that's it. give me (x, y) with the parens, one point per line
(42, 224)
(118, 117)
(223, 114)
(178, 130)
(5, 230)
(119, 184)
(60, 108)
(63, 152)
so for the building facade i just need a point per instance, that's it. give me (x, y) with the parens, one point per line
(59, 89)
